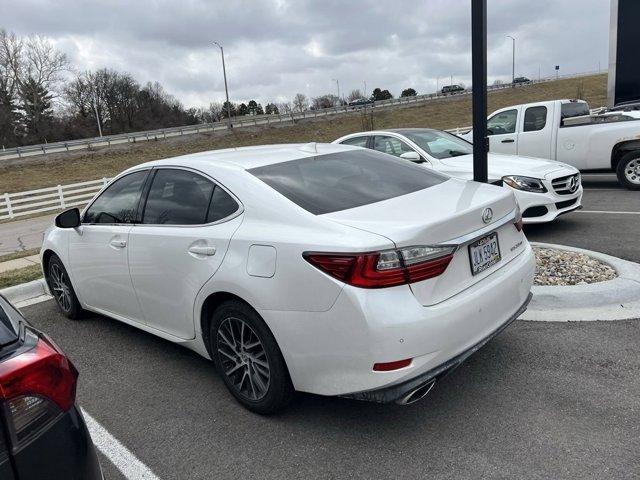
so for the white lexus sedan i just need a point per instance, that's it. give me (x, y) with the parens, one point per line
(544, 189)
(326, 269)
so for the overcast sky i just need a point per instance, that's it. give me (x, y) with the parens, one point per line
(276, 48)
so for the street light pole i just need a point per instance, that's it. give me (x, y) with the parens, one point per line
(513, 58)
(226, 90)
(95, 109)
(338, 84)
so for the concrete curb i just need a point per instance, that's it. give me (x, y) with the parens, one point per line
(27, 293)
(617, 299)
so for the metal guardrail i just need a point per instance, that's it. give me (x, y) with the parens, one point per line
(19, 204)
(237, 122)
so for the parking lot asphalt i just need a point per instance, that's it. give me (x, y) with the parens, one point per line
(542, 400)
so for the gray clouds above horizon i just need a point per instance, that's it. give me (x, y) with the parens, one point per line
(276, 48)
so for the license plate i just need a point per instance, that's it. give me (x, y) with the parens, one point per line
(484, 253)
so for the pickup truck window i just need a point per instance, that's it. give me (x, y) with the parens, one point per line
(535, 118)
(502, 123)
(573, 109)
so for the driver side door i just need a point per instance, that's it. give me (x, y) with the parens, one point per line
(502, 132)
(99, 249)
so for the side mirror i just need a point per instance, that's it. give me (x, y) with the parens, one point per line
(69, 218)
(413, 156)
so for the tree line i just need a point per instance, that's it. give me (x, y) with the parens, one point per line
(42, 99)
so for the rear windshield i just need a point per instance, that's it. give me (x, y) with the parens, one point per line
(344, 180)
(574, 109)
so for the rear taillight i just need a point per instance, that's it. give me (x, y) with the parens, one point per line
(387, 268)
(35, 387)
(518, 221)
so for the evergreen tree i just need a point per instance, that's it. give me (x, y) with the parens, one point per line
(35, 107)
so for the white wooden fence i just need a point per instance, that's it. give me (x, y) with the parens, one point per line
(18, 204)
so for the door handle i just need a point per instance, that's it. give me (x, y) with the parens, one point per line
(202, 250)
(508, 140)
(118, 243)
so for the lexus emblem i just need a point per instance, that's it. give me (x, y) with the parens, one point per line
(573, 184)
(487, 215)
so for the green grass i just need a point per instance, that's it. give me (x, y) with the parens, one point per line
(21, 275)
(447, 113)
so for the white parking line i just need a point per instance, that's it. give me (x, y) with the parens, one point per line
(607, 211)
(125, 461)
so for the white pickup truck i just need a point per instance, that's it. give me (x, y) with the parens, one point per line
(564, 130)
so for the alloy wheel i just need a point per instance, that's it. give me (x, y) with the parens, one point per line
(61, 287)
(632, 171)
(243, 358)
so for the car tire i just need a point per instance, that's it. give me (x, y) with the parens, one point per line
(248, 358)
(62, 290)
(628, 170)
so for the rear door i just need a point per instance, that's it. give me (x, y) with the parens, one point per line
(187, 223)
(501, 128)
(536, 125)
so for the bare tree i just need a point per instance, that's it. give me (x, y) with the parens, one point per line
(354, 95)
(285, 107)
(326, 101)
(300, 102)
(43, 63)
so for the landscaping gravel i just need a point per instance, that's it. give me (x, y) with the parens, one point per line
(559, 267)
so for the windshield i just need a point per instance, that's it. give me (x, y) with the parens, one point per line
(439, 144)
(349, 179)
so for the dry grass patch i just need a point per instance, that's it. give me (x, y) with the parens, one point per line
(22, 254)
(21, 275)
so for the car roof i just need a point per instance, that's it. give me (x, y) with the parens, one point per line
(400, 131)
(245, 158)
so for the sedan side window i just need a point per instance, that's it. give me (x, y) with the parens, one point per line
(502, 123)
(222, 205)
(181, 197)
(119, 202)
(177, 197)
(356, 141)
(390, 145)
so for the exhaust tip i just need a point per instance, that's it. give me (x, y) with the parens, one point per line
(416, 394)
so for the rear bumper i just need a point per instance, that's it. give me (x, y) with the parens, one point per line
(396, 392)
(333, 352)
(63, 451)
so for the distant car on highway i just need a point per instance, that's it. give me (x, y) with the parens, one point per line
(320, 268)
(451, 89)
(544, 188)
(518, 80)
(42, 432)
(360, 102)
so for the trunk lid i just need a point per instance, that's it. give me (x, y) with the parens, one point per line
(439, 215)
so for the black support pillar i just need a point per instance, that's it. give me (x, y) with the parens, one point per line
(479, 92)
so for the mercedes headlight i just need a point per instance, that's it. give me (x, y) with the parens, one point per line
(527, 184)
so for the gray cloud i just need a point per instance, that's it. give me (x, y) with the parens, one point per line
(279, 47)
